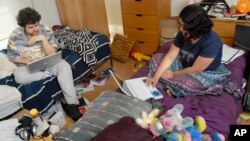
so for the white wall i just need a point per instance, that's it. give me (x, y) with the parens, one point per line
(176, 7)
(48, 11)
(113, 9)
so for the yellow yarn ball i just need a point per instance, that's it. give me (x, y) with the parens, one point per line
(200, 123)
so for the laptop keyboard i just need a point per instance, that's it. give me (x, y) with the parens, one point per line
(140, 90)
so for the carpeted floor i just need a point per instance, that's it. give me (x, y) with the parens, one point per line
(124, 70)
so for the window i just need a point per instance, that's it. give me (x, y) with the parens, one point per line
(8, 12)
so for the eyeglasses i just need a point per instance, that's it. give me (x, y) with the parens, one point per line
(32, 26)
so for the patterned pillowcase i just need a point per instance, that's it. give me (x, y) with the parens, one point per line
(121, 47)
(80, 41)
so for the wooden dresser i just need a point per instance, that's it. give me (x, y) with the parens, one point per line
(226, 28)
(84, 13)
(141, 20)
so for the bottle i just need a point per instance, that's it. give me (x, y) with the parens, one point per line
(37, 118)
(41, 124)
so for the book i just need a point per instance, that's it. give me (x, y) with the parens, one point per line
(234, 15)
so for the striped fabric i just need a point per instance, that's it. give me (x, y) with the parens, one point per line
(106, 109)
(121, 47)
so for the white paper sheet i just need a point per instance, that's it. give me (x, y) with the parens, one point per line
(230, 53)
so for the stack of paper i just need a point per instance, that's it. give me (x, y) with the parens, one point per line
(230, 53)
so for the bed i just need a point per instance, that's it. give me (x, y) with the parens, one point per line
(42, 94)
(219, 111)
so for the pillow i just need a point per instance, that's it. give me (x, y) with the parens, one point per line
(9, 94)
(121, 47)
(80, 41)
(109, 107)
(125, 129)
(7, 67)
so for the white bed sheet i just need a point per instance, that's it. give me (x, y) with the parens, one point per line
(10, 100)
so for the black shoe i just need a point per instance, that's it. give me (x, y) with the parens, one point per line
(82, 102)
(72, 111)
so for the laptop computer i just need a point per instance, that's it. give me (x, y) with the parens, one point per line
(137, 87)
(45, 62)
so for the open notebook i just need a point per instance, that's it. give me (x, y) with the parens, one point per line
(136, 87)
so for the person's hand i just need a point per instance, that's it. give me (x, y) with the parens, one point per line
(167, 74)
(153, 81)
(30, 60)
(35, 39)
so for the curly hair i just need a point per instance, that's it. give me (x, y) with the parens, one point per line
(196, 21)
(27, 16)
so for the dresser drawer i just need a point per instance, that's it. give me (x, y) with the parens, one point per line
(146, 48)
(227, 40)
(139, 6)
(145, 35)
(224, 28)
(140, 21)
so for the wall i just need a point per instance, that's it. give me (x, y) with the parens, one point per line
(176, 6)
(113, 9)
(48, 11)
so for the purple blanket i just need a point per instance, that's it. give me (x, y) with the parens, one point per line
(218, 111)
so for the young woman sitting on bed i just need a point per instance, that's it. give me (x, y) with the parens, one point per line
(194, 56)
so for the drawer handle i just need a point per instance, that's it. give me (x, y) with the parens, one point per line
(139, 28)
(141, 42)
(138, 0)
(139, 15)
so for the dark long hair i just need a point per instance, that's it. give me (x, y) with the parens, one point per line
(196, 21)
(27, 16)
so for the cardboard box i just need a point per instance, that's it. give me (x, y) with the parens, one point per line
(169, 28)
